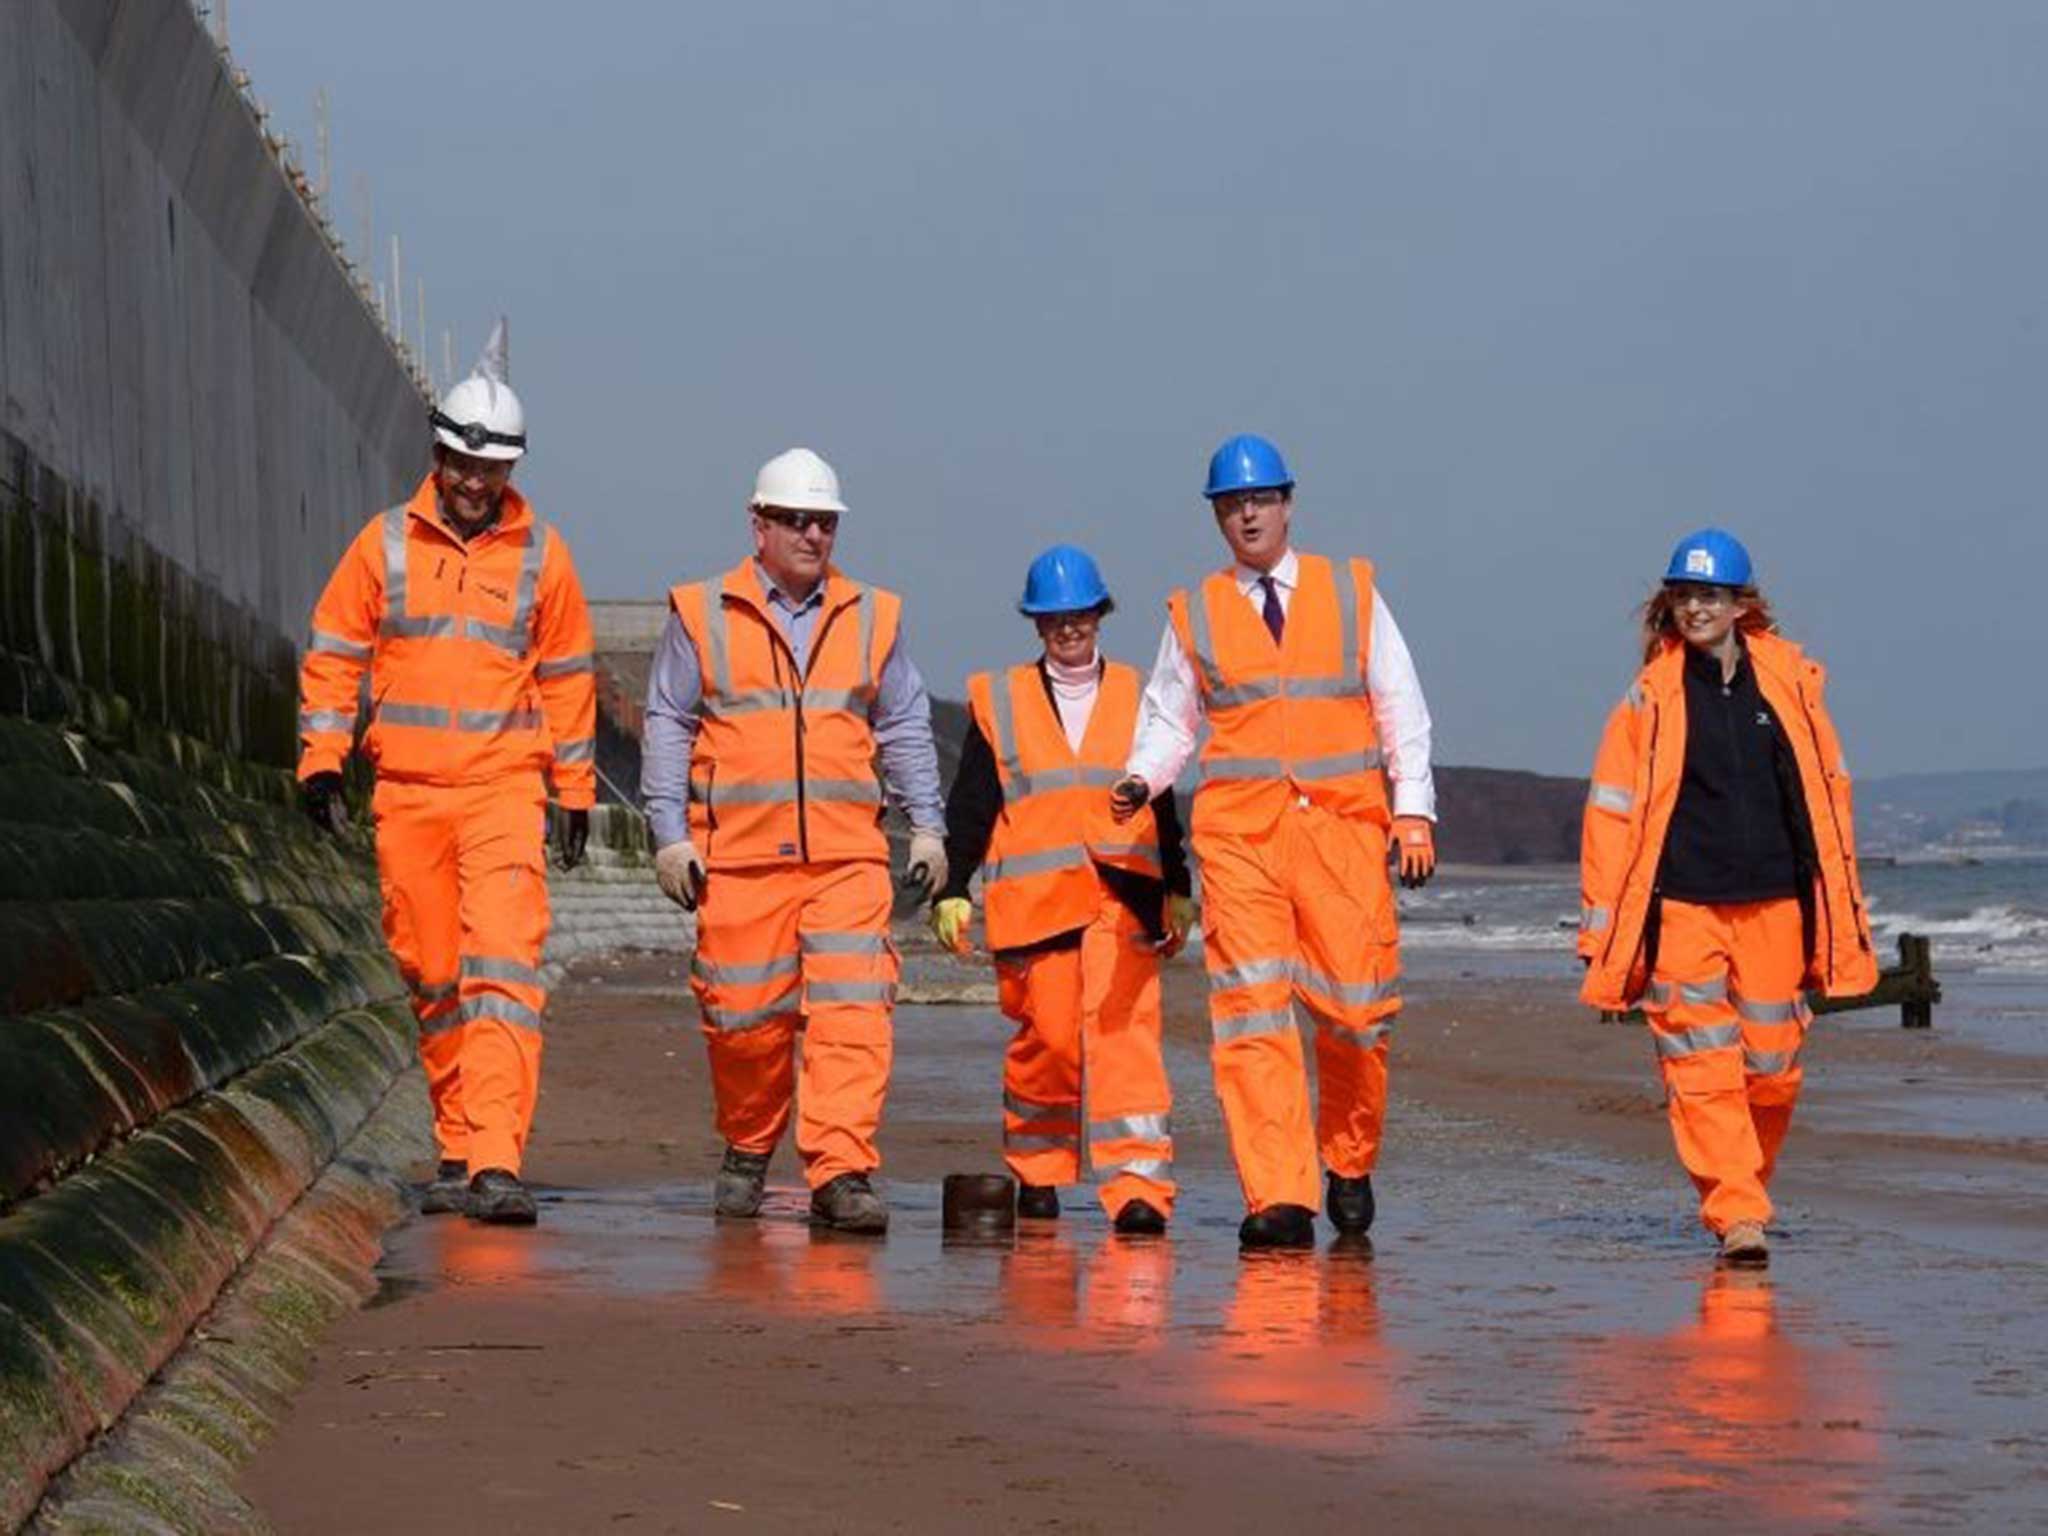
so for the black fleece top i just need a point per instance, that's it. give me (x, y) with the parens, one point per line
(976, 800)
(1740, 823)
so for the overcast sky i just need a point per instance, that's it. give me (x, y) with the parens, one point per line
(1524, 291)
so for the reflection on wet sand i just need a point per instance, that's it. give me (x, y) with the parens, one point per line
(1732, 1411)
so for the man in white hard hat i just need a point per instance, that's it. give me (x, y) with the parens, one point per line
(776, 690)
(465, 609)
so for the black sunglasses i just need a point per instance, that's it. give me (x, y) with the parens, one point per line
(800, 522)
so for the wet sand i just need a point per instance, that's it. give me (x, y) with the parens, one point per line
(1535, 1337)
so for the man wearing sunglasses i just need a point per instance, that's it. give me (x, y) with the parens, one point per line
(1308, 692)
(465, 610)
(776, 690)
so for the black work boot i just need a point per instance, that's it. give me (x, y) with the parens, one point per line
(1278, 1226)
(448, 1192)
(1040, 1202)
(742, 1178)
(849, 1204)
(497, 1196)
(1140, 1218)
(1349, 1202)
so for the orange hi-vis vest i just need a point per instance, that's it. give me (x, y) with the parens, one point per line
(1038, 877)
(1285, 720)
(479, 654)
(1637, 775)
(783, 771)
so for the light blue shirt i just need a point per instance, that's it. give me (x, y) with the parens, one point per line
(901, 717)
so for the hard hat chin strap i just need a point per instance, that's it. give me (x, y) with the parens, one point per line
(475, 434)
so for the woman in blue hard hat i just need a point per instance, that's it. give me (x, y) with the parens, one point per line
(1078, 908)
(1719, 876)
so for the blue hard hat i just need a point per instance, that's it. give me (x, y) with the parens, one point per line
(1712, 557)
(1247, 462)
(1063, 580)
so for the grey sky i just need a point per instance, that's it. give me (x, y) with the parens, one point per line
(1524, 291)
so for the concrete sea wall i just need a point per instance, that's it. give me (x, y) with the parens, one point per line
(206, 1081)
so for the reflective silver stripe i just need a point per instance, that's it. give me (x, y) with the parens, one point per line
(1703, 992)
(778, 791)
(752, 702)
(435, 992)
(441, 1024)
(566, 666)
(1364, 1036)
(1305, 770)
(438, 625)
(1594, 919)
(431, 715)
(489, 968)
(333, 645)
(503, 636)
(1237, 695)
(718, 638)
(394, 568)
(1158, 1168)
(1347, 993)
(1205, 648)
(519, 633)
(584, 751)
(850, 992)
(1771, 1013)
(1131, 1127)
(1251, 974)
(1672, 1044)
(327, 720)
(826, 943)
(1018, 865)
(500, 1009)
(1610, 797)
(1768, 1063)
(848, 699)
(728, 1021)
(864, 606)
(1038, 1143)
(1324, 688)
(493, 722)
(1351, 675)
(1635, 697)
(718, 974)
(1081, 776)
(1041, 1114)
(1146, 853)
(1274, 1021)
(1005, 744)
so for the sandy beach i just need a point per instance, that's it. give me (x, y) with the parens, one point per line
(1535, 1337)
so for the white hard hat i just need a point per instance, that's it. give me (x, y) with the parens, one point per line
(481, 416)
(798, 480)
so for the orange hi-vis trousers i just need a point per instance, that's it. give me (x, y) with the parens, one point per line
(1300, 912)
(465, 912)
(1728, 1018)
(795, 946)
(1091, 1011)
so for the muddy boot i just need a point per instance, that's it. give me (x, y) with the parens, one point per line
(448, 1193)
(1040, 1202)
(1349, 1202)
(849, 1204)
(742, 1178)
(1140, 1218)
(1743, 1246)
(497, 1196)
(1278, 1226)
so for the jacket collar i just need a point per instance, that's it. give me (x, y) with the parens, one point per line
(425, 507)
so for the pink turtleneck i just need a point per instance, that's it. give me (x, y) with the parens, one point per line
(1073, 692)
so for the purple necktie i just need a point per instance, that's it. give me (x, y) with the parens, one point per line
(1276, 618)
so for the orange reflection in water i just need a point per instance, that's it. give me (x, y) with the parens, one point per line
(1733, 1406)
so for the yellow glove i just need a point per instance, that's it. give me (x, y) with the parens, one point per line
(1180, 921)
(949, 922)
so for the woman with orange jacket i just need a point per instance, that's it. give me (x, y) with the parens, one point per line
(1718, 874)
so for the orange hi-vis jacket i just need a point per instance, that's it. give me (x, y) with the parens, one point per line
(1636, 779)
(1285, 720)
(479, 654)
(783, 771)
(1038, 878)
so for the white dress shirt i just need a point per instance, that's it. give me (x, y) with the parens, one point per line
(1171, 712)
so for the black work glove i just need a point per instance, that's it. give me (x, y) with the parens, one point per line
(320, 797)
(572, 836)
